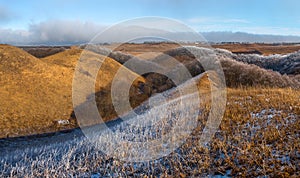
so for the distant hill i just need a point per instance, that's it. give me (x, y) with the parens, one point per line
(43, 51)
(238, 73)
(218, 37)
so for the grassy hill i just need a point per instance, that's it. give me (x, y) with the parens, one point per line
(37, 93)
(236, 73)
(31, 92)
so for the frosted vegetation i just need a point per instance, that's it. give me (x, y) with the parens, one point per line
(158, 127)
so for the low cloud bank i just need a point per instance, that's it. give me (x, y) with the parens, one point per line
(63, 32)
(51, 33)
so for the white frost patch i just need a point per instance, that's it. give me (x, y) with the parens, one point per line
(266, 113)
(268, 117)
(63, 122)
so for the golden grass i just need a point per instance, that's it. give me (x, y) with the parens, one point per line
(259, 134)
(67, 58)
(36, 93)
(137, 49)
(31, 93)
(265, 49)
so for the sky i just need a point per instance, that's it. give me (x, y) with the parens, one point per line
(24, 18)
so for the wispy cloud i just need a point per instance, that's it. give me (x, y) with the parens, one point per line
(200, 20)
(236, 21)
(206, 20)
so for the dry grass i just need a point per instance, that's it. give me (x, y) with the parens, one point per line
(258, 136)
(36, 93)
(67, 58)
(241, 74)
(31, 91)
(265, 49)
(136, 49)
(43, 51)
(236, 73)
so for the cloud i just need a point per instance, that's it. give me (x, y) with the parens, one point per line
(200, 20)
(62, 31)
(52, 32)
(236, 21)
(210, 20)
(16, 37)
(68, 32)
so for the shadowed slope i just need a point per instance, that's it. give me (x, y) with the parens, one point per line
(236, 73)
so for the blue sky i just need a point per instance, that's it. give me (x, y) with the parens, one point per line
(279, 17)
(256, 16)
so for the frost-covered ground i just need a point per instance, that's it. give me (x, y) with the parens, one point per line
(258, 136)
(285, 64)
(164, 123)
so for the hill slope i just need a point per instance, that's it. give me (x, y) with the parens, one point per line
(236, 73)
(31, 91)
(36, 93)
